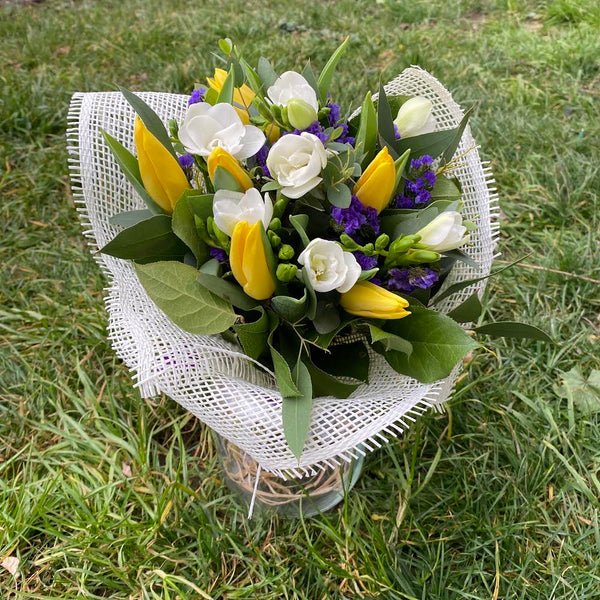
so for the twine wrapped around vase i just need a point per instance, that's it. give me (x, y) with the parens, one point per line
(213, 378)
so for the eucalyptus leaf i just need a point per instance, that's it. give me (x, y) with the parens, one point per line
(514, 329)
(226, 92)
(254, 335)
(438, 344)
(231, 292)
(339, 195)
(295, 411)
(129, 164)
(130, 217)
(267, 74)
(311, 78)
(211, 267)
(151, 238)
(150, 119)
(184, 227)
(467, 311)
(199, 203)
(174, 288)
(300, 223)
(289, 308)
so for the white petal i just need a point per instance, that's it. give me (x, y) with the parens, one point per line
(252, 141)
(300, 190)
(352, 274)
(225, 114)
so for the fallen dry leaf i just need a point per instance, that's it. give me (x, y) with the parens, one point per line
(11, 564)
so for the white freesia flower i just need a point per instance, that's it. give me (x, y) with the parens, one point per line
(229, 208)
(296, 161)
(206, 127)
(292, 85)
(415, 117)
(445, 232)
(329, 267)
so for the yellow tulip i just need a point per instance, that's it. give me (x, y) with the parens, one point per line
(248, 261)
(221, 158)
(376, 184)
(161, 174)
(242, 95)
(366, 299)
(273, 132)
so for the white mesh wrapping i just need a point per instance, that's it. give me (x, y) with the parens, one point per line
(212, 378)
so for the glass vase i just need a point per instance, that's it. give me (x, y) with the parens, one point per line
(290, 498)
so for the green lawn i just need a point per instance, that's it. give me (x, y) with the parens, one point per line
(511, 510)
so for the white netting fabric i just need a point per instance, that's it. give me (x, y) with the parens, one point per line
(212, 378)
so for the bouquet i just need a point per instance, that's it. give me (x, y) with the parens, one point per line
(312, 240)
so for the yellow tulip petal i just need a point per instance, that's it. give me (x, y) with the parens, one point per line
(376, 184)
(221, 158)
(236, 251)
(161, 174)
(366, 299)
(259, 281)
(381, 156)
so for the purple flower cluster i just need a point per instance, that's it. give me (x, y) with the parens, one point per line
(197, 96)
(408, 280)
(365, 262)
(261, 160)
(420, 182)
(335, 120)
(316, 129)
(186, 161)
(356, 217)
(219, 254)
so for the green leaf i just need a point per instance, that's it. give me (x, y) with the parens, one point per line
(270, 186)
(366, 137)
(129, 164)
(468, 311)
(296, 411)
(151, 238)
(326, 76)
(150, 119)
(453, 145)
(252, 78)
(130, 217)
(253, 336)
(184, 227)
(174, 288)
(324, 340)
(368, 274)
(283, 375)
(389, 341)
(446, 189)
(211, 267)
(385, 123)
(300, 223)
(266, 73)
(327, 317)
(399, 165)
(584, 393)
(199, 203)
(461, 285)
(434, 143)
(211, 95)
(312, 296)
(514, 329)
(325, 384)
(226, 290)
(224, 180)
(339, 195)
(289, 308)
(226, 91)
(438, 344)
(344, 360)
(310, 77)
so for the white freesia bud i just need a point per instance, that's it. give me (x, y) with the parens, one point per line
(445, 232)
(415, 117)
(229, 208)
(329, 267)
(206, 127)
(292, 85)
(296, 161)
(300, 113)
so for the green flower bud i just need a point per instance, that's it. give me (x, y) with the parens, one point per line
(348, 242)
(286, 272)
(274, 239)
(401, 244)
(221, 237)
(280, 206)
(286, 252)
(382, 241)
(423, 256)
(275, 224)
(300, 113)
(368, 248)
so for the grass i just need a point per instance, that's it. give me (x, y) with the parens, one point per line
(511, 508)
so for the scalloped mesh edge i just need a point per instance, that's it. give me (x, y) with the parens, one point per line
(212, 378)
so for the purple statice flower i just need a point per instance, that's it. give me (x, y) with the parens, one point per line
(420, 181)
(261, 160)
(197, 96)
(355, 217)
(375, 281)
(397, 133)
(316, 129)
(219, 254)
(410, 279)
(335, 120)
(365, 262)
(186, 161)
